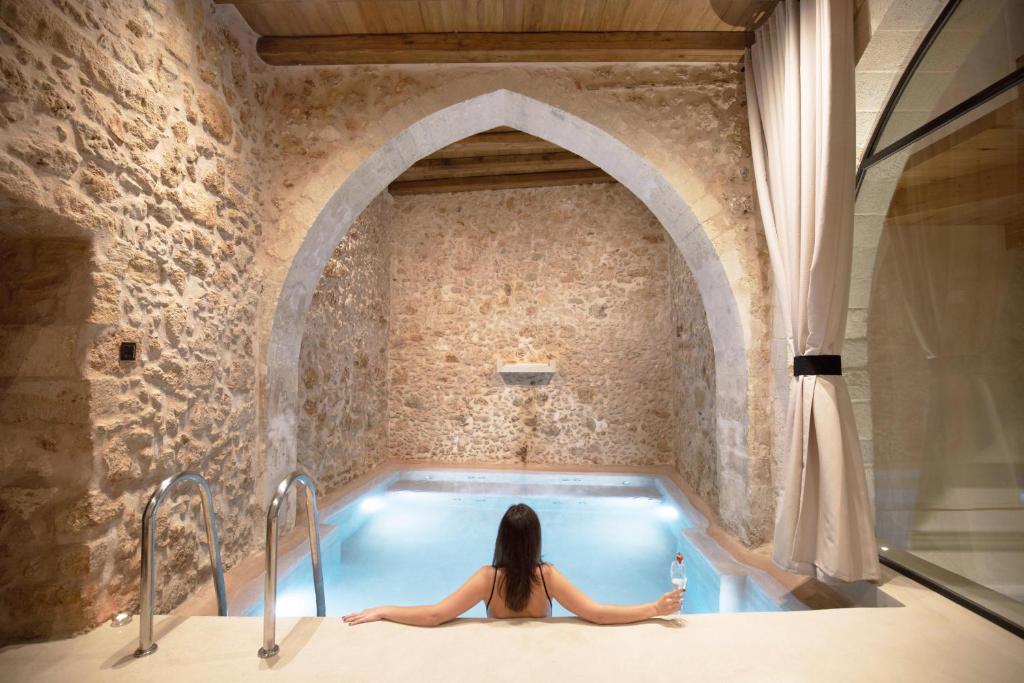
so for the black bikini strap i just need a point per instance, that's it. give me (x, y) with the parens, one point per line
(543, 582)
(493, 583)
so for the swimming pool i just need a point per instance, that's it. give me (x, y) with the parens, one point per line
(416, 536)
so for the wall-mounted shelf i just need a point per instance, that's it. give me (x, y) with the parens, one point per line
(526, 374)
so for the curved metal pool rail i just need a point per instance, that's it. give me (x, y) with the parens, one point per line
(270, 647)
(147, 597)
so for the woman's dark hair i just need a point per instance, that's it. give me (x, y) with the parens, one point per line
(517, 552)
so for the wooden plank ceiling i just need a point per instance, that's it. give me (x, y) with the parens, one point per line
(336, 17)
(500, 31)
(498, 159)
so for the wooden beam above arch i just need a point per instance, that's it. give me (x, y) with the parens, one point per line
(501, 48)
(498, 159)
(514, 181)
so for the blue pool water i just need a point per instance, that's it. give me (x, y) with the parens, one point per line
(416, 537)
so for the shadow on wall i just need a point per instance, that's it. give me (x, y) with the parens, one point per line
(47, 582)
(76, 428)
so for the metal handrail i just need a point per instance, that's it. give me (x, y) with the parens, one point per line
(270, 647)
(147, 597)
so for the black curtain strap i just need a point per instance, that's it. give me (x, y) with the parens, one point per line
(817, 365)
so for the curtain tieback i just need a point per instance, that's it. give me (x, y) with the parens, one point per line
(817, 365)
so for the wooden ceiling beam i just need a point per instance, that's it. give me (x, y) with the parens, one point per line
(959, 190)
(487, 48)
(1000, 130)
(494, 144)
(464, 167)
(1006, 211)
(500, 182)
(341, 17)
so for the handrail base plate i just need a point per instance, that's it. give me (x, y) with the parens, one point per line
(142, 653)
(264, 653)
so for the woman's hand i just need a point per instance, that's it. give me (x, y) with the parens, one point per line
(668, 603)
(364, 617)
(469, 594)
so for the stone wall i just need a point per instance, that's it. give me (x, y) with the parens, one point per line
(692, 390)
(45, 464)
(343, 425)
(575, 276)
(130, 128)
(583, 277)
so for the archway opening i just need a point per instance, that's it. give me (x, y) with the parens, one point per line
(442, 128)
(506, 302)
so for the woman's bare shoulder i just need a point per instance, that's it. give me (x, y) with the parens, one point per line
(483, 577)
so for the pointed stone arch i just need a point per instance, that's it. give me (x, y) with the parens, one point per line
(448, 125)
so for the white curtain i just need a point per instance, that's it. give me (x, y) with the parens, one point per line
(799, 76)
(954, 280)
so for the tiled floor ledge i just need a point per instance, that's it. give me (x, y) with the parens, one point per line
(929, 639)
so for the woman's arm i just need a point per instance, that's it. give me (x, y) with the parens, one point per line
(470, 593)
(583, 606)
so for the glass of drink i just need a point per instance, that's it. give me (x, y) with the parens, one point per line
(678, 575)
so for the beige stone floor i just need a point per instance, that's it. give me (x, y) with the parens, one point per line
(928, 639)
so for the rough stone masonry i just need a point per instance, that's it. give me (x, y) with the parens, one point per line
(156, 180)
(427, 294)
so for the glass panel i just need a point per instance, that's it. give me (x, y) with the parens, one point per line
(941, 241)
(982, 42)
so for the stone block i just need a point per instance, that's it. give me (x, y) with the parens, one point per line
(857, 323)
(862, 416)
(18, 188)
(216, 116)
(855, 353)
(94, 509)
(859, 383)
(45, 156)
(98, 184)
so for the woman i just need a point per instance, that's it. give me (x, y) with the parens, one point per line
(518, 584)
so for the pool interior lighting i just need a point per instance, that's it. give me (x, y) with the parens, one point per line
(371, 504)
(668, 512)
